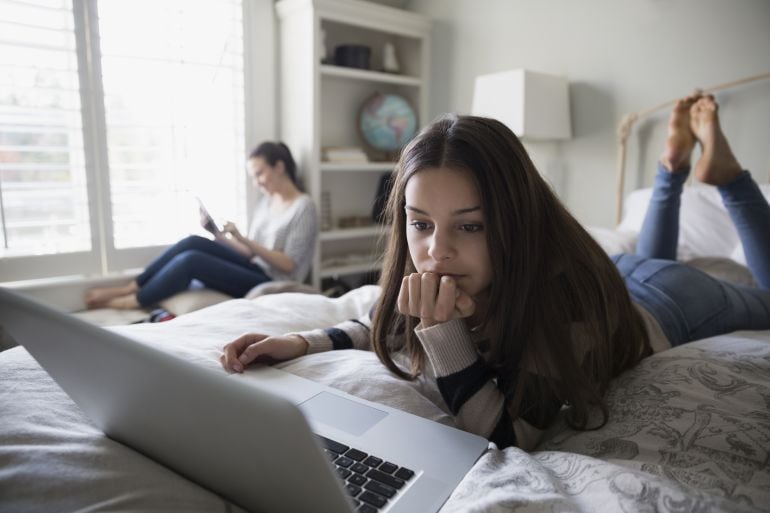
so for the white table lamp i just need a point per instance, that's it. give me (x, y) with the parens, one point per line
(535, 106)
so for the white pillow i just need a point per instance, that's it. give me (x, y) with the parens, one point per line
(705, 227)
(191, 300)
(614, 241)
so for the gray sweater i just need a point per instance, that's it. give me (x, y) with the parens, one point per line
(293, 232)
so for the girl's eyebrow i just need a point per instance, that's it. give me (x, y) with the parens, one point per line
(457, 212)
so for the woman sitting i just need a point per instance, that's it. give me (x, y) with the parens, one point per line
(280, 244)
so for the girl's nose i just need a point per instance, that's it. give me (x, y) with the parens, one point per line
(441, 247)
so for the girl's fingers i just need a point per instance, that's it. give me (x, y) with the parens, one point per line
(429, 283)
(415, 282)
(465, 306)
(255, 347)
(232, 351)
(250, 353)
(445, 301)
(230, 354)
(403, 296)
(433, 298)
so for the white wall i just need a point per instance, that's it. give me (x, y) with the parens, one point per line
(620, 57)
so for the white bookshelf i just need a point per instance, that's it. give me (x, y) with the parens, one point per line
(333, 271)
(371, 76)
(320, 103)
(372, 167)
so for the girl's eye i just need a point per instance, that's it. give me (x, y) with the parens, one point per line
(472, 227)
(419, 225)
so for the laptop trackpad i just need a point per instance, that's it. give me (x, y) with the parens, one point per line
(344, 414)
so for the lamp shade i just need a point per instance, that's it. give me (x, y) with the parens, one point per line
(533, 105)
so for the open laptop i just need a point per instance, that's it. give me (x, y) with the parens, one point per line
(280, 443)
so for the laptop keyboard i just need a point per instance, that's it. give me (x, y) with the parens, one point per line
(370, 480)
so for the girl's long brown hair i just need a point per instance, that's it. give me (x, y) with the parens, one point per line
(548, 275)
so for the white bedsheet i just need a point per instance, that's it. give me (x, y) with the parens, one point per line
(690, 428)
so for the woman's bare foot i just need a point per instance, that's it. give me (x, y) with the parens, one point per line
(99, 296)
(127, 302)
(717, 164)
(681, 140)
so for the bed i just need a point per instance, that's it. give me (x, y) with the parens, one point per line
(689, 428)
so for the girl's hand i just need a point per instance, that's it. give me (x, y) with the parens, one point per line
(257, 347)
(434, 299)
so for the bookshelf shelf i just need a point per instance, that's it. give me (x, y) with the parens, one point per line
(320, 108)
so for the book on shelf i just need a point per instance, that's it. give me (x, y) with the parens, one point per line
(344, 155)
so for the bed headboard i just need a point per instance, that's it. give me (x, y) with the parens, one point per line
(626, 126)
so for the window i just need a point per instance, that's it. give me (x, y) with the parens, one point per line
(174, 112)
(43, 196)
(114, 116)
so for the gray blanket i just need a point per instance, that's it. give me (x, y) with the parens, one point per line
(689, 428)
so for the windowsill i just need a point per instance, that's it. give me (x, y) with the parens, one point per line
(67, 281)
(66, 292)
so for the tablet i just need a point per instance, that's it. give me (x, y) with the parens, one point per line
(210, 225)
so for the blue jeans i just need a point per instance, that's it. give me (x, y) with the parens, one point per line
(687, 303)
(197, 258)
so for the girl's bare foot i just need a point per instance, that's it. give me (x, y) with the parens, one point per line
(681, 140)
(127, 302)
(98, 297)
(717, 164)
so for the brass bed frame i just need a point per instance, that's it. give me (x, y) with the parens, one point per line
(627, 122)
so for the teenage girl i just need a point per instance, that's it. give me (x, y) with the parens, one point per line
(491, 287)
(279, 246)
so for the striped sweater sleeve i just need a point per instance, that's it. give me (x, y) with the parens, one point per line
(350, 334)
(469, 389)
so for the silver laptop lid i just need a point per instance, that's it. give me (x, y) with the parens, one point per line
(153, 401)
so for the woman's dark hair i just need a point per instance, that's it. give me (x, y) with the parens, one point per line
(272, 152)
(560, 322)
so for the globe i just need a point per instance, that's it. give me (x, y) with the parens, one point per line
(387, 122)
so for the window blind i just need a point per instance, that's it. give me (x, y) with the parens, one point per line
(100, 166)
(174, 109)
(43, 196)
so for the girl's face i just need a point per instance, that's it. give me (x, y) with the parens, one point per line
(262, 174)
(445, 228)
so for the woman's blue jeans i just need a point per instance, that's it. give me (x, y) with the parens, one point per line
(197, 258)
(687, 303)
